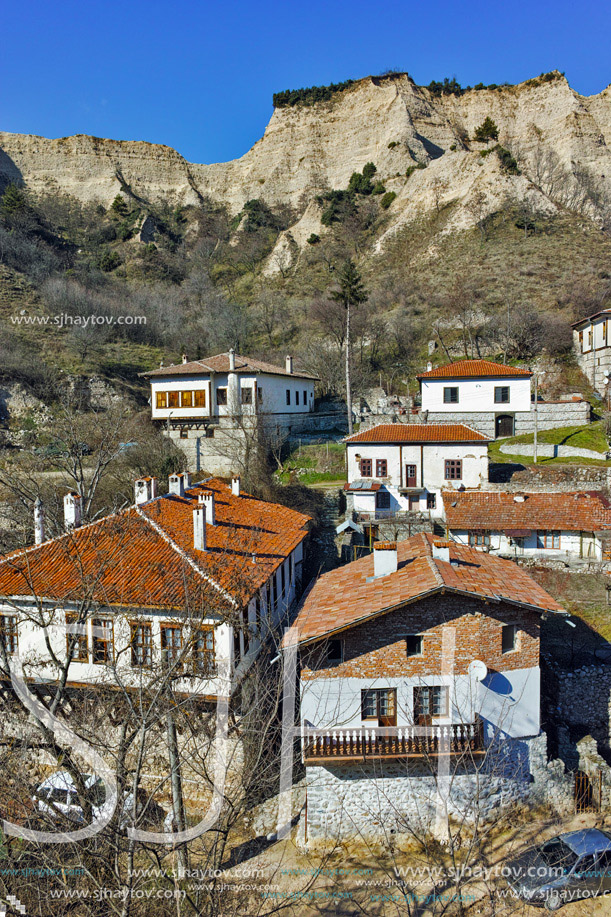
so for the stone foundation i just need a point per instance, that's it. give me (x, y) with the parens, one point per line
(551, 415)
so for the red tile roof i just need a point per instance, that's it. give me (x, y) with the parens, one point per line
(471, 369)
(584, 511)
(144, 556)
(220, 364)
(419, 433)
(350, 595)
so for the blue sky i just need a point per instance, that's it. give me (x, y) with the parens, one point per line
(199, 76)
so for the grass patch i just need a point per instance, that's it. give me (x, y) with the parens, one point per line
(317, 463)
(589, 437)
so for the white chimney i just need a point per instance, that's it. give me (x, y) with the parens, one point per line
(199, 528)
(184, 358)
(206, 499)
(289, 364)
(73, 511)
(39, 521)
(186, 477)
(232, 359)
(235, 485)
(145, 489)
(441, 551)
(384, 558)
(176, 485)
(429, 366)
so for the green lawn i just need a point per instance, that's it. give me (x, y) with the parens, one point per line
(315, 464)
(589, 437)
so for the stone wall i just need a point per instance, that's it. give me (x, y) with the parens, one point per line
(551, 415)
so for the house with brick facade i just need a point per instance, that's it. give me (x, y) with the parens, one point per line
(400, 468)
(556, 525)
(494, 398)
(418, 662)
(190, 583)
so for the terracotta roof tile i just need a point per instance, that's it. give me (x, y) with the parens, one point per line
(419, 433)
(583, 511)
(350, 594)
(220, 364)
(469, 369)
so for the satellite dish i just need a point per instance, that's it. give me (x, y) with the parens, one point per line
(478, 670)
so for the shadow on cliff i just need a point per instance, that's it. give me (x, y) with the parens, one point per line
(10, 174)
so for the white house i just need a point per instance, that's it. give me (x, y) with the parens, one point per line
(419, 661)
(592, 344)
(560, 525)
(398, 468)
(192, 581)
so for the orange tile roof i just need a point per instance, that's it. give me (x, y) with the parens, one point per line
(144, 556)
(349, 595)
(220, 364)
(470, 369)
(583, 511)
(419, 433)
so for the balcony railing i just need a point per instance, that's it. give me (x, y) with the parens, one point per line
(365, 744)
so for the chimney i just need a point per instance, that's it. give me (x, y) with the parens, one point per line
(186, 477)
(441, 551)
(235, 485)
(176, 485)
(384, 558)
(289, 364)
(199, 528)
(39, 521)
(232, 360)
(206, 499)
(73, 511)
(145, 489)
(184, 358)
(429, 366)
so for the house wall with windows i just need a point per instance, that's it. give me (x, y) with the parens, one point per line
(592, 345)
(552, 543)
(476, 395)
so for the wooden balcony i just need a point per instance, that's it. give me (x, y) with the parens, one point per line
(328, 746)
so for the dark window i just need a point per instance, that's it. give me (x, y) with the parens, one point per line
(413, 645)
(430, 701)
(259, 394)
(335, 651)
(102, 640)
(297, 397)
(246, 394)
(171, 644)
(366, 468)
(141, 644)
(549, 540)
(282, 576)
(382, 499)
(479, 539)
(221, 396)
(184, 433)
(450, 394)
(501, 394)
(305, 397)
(453, 469)
(288, 396)
(431, 501)
(381, 468)
(378, 702)
(509, 638)
(8, 633)
(173, 399)
(204, 658)
(76, 639)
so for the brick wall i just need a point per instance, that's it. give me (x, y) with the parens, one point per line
(377, 649)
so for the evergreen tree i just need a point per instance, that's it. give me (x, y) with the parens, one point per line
(488, 130)
(351, 294)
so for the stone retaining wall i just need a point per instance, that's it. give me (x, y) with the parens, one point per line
(551, 415)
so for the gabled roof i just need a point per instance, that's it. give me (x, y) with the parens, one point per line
(590, 318)
(220, 364)
(144, 556)
(581, 511)
(392, 433)
(350, 595)
(473, 369)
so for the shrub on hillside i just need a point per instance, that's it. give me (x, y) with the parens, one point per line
(387, 199)
(309, 95)
(487, 130)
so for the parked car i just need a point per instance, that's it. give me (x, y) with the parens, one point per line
(566, 868)
(57, 796)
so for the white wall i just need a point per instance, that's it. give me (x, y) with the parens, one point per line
(593, 335)
(573, 544)
(476, 395)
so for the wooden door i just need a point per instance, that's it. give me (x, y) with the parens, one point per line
(387, 707)
(410, 476)
(504, 426)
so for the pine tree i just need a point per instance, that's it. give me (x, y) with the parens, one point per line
(351, 293)
(488, 130)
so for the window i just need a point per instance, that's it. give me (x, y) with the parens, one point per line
(453, 469)
(288, 396)
(581, 340)
(501, 394)
(76, 639)
(305, 397)
(141, 643)
(161, 399)
(410, 476)
(381, 468)
(184, 433)
(282, 582)
(186, 399)
(413, 645)
(102, 640)
(246, 394)
(200, 398)
(173, 399)
(509, 634)
(171, 644)
(382, 499)
(366, 468)
(378, 703)
(549, 540)
(431, 501)
(8, 633)
(335, 651)
(430, 701)
(450, 394)
(204, 657)
(297, 397)
(221, 396)
(479, 539)
(259, 394)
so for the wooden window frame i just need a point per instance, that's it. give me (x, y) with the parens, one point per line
(176, 661)
(78, 639)
(221, 396)
(376, 693)
(246, 394)
(186, 399)
(9, 633)
(381, 468)
(499, 391)
(448, 394)
(366, 463)
(199, 398)
(479, 539)
(441, 691)
(431, 501)
(198, 654)
(453, 469)
(110, 643)
(548, 536)
(173, 399)
(161, 400)
(146, 629)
